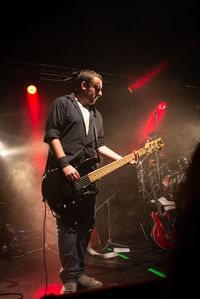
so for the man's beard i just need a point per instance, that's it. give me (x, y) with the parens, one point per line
(92, 101)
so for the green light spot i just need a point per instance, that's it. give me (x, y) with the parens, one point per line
(123, 256)
(157, 272)
(119, 254)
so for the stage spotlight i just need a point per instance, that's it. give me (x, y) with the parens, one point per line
(31, 89)
(162, 106)
(130, 89)
(3, 153)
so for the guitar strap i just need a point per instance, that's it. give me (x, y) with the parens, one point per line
(96, 138)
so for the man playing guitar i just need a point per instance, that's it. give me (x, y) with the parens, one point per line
(74, 132)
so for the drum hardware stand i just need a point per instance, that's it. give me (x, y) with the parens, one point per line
(109, 241)
(143, 188)
(145, 196)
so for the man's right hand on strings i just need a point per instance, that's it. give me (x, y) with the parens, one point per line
(71, 173)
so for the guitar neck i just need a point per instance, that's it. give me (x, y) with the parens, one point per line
(99, 173)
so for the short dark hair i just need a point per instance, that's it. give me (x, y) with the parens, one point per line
(87, 76)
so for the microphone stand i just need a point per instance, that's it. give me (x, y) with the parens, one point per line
(156, 153)
(109, 241)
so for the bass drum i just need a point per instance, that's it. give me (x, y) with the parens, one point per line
(171, 182)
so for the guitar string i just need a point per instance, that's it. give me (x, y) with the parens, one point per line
(104, 170)
(83, 181)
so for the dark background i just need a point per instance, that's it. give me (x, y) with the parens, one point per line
(124, 41)
(127, 38)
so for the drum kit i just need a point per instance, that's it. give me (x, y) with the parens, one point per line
(158, 176)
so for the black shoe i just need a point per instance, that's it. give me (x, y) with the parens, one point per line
(89, 282)
(69, 287)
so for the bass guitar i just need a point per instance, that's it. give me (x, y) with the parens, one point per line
(61, 194)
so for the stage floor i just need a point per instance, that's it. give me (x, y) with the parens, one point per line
(24, 273)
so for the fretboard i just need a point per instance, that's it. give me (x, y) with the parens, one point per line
(99, 173)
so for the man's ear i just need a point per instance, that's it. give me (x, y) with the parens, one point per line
(83, 85)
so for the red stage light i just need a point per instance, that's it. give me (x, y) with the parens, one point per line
(162, 66)
(52, 289)
(149, 125)
(31, 89)
(130, 89)
(149, 75)
(162, 106)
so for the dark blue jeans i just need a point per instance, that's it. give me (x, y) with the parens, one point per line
(74, 231)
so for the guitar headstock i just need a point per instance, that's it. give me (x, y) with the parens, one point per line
(153, 145)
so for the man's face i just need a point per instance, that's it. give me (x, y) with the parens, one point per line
(93, 91)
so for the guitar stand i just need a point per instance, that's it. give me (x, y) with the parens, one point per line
(109, 241)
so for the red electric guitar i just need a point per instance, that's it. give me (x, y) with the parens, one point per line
(163, 230)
